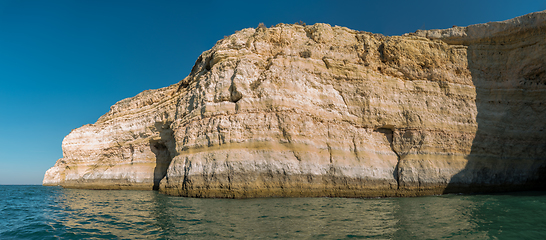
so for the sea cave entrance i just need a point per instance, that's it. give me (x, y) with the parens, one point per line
(163, 146)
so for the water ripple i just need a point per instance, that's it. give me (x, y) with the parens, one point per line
(36, 212)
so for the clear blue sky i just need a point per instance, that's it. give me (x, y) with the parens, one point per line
(64, 63)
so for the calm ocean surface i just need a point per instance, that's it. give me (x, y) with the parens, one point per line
(37, 212)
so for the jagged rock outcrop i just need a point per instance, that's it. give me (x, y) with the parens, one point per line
(317, 110)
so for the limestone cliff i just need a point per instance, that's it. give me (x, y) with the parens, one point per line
(317, 110)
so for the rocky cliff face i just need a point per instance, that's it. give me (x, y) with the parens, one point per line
(327, 111)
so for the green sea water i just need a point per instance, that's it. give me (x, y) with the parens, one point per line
(37, 212)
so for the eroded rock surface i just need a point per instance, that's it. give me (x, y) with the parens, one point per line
(327, 111)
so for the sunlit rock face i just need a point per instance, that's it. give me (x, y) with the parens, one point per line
(317, 110)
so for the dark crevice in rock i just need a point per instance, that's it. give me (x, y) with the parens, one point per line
(389, 134)
(381, 50)
(185, 83)
(235, 95)
(186, 182)
(330, 153)
(305, 53)
(202, 64)
(163, 146)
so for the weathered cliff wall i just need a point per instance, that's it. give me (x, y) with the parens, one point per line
(507, 61)
(327, 111)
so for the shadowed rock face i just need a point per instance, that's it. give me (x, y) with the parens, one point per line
(327, 111)
(508, 68)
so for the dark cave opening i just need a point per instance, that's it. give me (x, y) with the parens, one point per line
(163, 146)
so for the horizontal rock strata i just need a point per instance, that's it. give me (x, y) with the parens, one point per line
(317, 110)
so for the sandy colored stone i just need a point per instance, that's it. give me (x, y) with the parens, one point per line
(318, 110)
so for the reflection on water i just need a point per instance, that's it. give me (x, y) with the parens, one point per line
(71, 213)
(436, 217)
(126, 213)
(138, 213)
